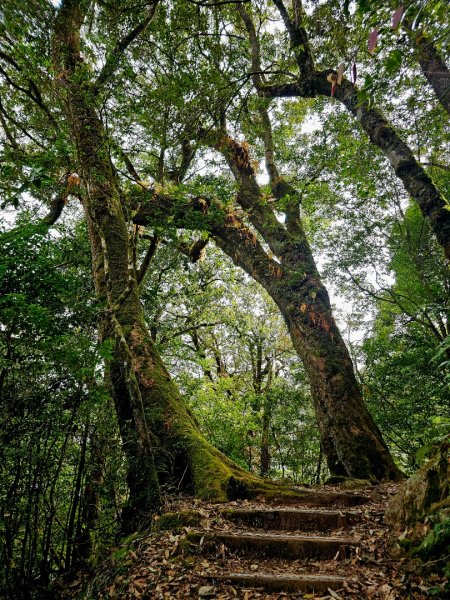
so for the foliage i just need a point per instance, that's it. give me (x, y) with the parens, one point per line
(54, 409)
(223, 340)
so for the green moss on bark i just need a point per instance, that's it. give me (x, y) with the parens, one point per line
(174, 521)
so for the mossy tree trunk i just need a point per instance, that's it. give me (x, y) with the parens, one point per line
(313, 83)
(115, 285)
(351, 440)
(160, 436)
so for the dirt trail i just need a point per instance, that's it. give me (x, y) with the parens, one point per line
(331, 545)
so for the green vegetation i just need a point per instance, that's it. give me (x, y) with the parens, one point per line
(183, 186)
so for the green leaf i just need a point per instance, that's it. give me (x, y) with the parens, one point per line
(393, 62)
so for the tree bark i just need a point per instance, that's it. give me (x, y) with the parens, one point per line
(313, 83)
(351, 440)
(155, 425)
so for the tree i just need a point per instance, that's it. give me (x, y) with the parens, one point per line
(149, 407)
(100, 160)
(57, 431)
(422, 25)
(311, 82)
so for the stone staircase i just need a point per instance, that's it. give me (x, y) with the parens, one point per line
(251, 538)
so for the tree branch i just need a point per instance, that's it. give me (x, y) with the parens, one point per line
(416, 180)
(298, 36)
(257, 73)
(147, 259)
(113, 59)
(32, 92)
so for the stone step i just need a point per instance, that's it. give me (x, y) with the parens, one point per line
(319, 499)
(278, 546)
(285, 519)
(307, 584)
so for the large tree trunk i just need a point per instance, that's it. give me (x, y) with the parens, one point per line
(350, 438)
(110, 257)
(154, 422)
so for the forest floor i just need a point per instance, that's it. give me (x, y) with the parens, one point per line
(189, 562)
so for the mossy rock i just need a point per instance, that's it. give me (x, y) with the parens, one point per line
(422, 505)
(425, 493)
(436, 543)
(174, 521)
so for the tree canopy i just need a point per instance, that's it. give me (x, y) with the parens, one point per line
(184, 185)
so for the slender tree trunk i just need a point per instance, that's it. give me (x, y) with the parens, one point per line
(319, 466)
(76, 496)
(265, 438)
(90, 502)
(433, 66)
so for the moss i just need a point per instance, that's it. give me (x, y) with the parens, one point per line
(436, 543)
(174, 521)
(406, 543)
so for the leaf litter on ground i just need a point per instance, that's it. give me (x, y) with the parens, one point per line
(161, 566)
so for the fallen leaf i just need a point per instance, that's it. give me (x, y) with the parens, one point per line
(206, 591)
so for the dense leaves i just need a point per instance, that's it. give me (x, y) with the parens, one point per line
(163, 78)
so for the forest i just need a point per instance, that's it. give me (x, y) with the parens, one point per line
(224, 284)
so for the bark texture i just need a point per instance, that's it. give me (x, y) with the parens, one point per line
(350, 437)
(159, 434)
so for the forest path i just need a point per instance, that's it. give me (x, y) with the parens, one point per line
(310, 548)
(324, 544)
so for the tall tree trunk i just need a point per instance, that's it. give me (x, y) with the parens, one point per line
(152, 417)
(265, 438)
(350, 438)
(110, 255)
